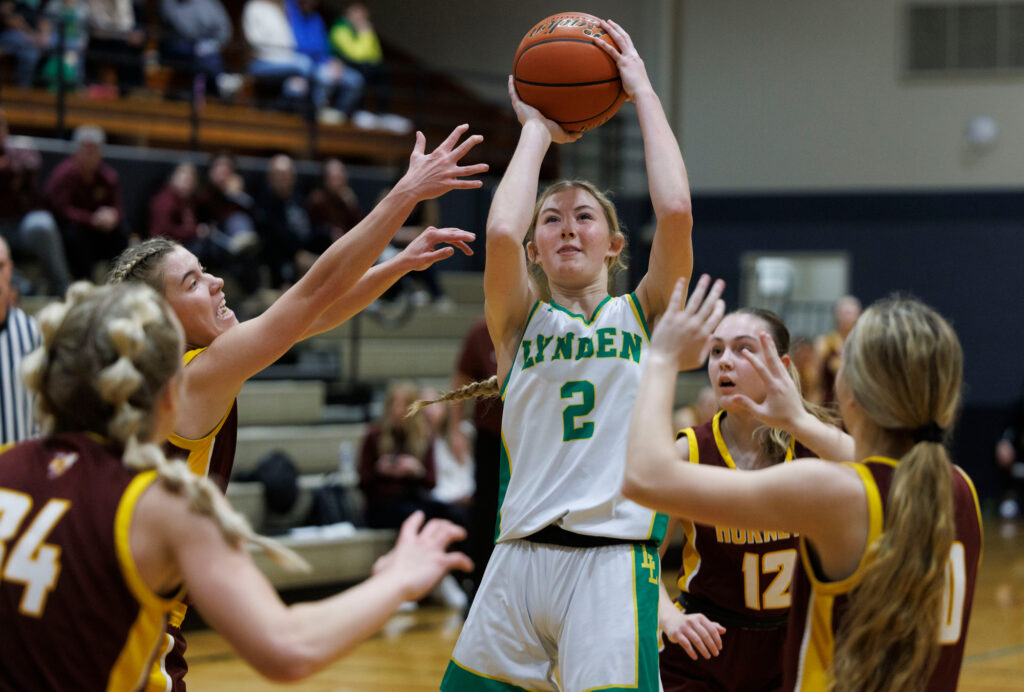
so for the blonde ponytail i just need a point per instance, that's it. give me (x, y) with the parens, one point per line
(904, 366)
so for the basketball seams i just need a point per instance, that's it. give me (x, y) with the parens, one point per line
(577, 86)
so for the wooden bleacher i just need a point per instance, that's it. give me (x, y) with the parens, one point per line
(157, 122)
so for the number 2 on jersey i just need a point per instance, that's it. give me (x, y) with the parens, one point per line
(31, 562)
(570, 430)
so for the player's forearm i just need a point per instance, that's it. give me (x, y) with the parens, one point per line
(513, 202)
(367, 289)
(315, 634)
(666, 172)
(827, 441)
(650, 449)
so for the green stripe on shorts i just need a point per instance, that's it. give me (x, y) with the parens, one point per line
(459, 679)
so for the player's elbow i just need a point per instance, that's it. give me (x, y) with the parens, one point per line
(288, 658)
(502, 233)
(640, 482)
(676, 213)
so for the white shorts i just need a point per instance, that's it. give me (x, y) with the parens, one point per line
(549, 617)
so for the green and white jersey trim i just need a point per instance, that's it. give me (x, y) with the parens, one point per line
(567, 402)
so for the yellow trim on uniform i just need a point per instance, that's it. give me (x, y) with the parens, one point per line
(977, 508)
(133, 662)
(876, 519)
(634, 303)
(6, 446)
(636, 617)
(491, 677)
(691, 554)
(716, 426)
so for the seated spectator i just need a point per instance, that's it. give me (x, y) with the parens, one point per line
(396, 466)
(117, 40)
(328, 73)
(172, 213)
(25, 224)
(454, 472)
(424, 215)
(23, 36)
(69, 31)
(85, 196)
(290, 242)
(354, 40)
(270, 36)
(223, 205)
(333, 207)
(193, 36)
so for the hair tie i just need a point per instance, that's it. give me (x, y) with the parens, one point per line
(929, 433)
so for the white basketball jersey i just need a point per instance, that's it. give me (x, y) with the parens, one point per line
(567, 402)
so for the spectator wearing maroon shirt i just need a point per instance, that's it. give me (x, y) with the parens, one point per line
(333, 207)
(396, 466)
(85, 196)
(25, 224)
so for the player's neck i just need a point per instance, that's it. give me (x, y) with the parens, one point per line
(738, 434)
(583, 301)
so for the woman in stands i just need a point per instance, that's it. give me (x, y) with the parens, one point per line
(889, 547)
(101, 532)
(223, 353)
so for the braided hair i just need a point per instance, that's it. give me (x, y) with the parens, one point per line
(107, 356)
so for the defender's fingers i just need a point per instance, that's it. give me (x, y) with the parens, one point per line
(470, 142)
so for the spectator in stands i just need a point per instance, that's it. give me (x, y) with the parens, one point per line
(333, 82)
(19, 336)
(68, 20)
(172, 213)
(477, 363)
(454, 484)
(845, 311)
(333, 207)
(116, 39)
(396, 465)
(425, 215)
(290, 242)
(355, 41)
(25, 224)
(85, 195)
(805, 358)
(193, 36)
(270, 36)
(1010, 463)
(23, 36)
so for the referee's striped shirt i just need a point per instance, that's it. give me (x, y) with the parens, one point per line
(19, 336)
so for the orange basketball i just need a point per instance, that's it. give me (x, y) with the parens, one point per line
(561, 72)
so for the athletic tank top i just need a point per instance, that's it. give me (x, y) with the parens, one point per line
(567, 401)
(75, 611)
(212, 455)
(819, 606)
(749, 574)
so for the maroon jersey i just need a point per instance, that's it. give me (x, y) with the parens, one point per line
(75, 611)
(739, 579)
(819, 605)
(212, 455)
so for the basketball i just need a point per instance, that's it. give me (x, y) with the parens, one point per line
(561, 72)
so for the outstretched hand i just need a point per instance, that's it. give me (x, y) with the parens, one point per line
(783, 404)
(420, 558)
(684, 335)
(632, 71)
(421, 253)
(431, 175)
(526, 112)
